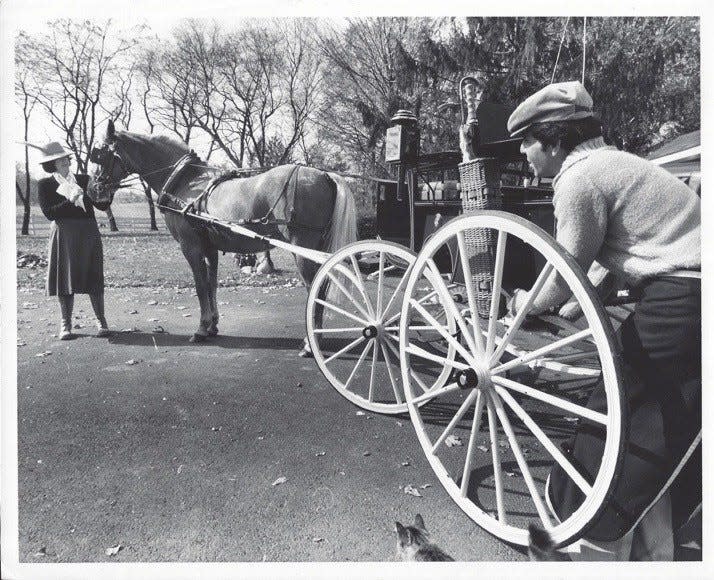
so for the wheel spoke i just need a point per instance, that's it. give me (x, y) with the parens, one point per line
(380, 282)
(364, 354)
(459, 414)
(360, 284)
(341, 311)
(337, 330)
(349, 296)
(468, 282)
(496, 458)
(448, 303)
(551, 400)
(449, 338)
(475, 428)
(373, 275)
(435, 393)
(395, 352)
(496, 296)
(342, 351)
(574, 474)
(521, 314)
(528, 357)
(421, 353)
(371, 375)
(396, 316)
(390, 372)
(525, 470)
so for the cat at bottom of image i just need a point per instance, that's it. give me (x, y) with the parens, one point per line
(541, 547)
(413, 544)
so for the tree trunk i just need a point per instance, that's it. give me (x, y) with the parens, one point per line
(112, 222)
(26, 212)
(152, 209)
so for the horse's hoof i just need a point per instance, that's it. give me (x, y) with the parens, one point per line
(212, 332)
(198, 338)
(305, 353)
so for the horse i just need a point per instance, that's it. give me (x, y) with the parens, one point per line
(301, 205)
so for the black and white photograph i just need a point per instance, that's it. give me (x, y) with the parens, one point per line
(298, 290)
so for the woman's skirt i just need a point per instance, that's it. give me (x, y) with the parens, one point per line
(75, 258)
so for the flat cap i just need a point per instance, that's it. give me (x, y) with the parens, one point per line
(556, 102)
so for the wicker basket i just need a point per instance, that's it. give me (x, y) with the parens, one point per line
(481, 189)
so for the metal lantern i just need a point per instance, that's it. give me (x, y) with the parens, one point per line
(402, 141)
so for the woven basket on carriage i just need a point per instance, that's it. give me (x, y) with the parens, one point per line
(481, 189)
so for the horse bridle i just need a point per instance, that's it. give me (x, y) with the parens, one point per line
(106, 157)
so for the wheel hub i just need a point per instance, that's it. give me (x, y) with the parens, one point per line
(473, 378)
(369, 331)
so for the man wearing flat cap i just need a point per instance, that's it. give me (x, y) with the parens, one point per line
(633, 218)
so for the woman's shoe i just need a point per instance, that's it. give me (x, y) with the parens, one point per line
(102, 330)
(65, 332)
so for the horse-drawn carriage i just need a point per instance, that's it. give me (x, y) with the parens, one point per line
(494, 400)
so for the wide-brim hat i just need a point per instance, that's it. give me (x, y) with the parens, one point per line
(53, 151)
(568, 101)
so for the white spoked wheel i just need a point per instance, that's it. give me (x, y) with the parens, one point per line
(353, 311)
(505, 419)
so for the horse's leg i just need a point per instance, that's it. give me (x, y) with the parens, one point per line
(212, 266)
(195, 256)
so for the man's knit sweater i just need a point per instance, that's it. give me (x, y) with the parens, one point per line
(636, 219)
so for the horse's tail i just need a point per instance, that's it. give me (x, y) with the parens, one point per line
(343, 228)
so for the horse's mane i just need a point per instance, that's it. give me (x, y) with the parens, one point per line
(153, 148)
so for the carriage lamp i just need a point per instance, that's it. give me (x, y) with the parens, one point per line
(402, 144)
(402, 140)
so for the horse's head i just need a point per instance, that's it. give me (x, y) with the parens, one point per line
(109, 167)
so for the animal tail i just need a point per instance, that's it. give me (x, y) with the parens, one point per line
(343, 229)
(541, 546)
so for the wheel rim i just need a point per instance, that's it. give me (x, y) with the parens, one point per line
(502, 487)
(352, 328)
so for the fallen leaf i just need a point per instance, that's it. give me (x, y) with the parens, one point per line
(511, 474)
(570, 419)
(152, 302)
(133, 312)
(132, 361)
(399, 423)
(132, 329)
(318, 540)
(503, 443)
(405, 464)
(21, 343)
(453, 441)
(279, 480)
(41, 552)
(482, 448)
(30, 305)
(114, 550)
(158, 330)
(186, 315)
(181, 307)
(46, 353)
(425, 486)
(360, 413)
(366, 454)
(319, 454)
(299, 385)
(152, 319)
(408, 489)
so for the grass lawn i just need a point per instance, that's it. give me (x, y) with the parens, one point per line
(153, 259)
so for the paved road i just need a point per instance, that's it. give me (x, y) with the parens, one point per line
(171, 450)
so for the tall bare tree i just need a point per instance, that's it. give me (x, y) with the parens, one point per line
(26, 94)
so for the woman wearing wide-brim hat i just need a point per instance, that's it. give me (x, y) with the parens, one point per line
(75, 255)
